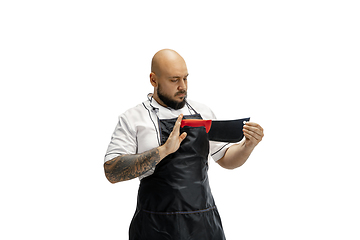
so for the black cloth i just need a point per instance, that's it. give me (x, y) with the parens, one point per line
(227, 130)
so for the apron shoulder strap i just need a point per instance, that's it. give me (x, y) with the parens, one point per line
(190, 108)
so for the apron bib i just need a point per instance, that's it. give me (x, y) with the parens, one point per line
(175, 202)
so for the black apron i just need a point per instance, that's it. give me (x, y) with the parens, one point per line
(175, 202)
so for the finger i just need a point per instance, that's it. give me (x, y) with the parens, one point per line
(177, 124)
(248, 136)
(251, 139)
(252, 135)
(255, 130)
(252, 124)
(180, 117)
(182, 136)
(254, 127)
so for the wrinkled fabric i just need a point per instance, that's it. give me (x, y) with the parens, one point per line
(176, 201)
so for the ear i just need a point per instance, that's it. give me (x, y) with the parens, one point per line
(153, 80)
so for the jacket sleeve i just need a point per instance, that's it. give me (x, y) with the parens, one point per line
(123, 140)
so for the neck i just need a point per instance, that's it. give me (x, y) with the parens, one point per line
(158, 100)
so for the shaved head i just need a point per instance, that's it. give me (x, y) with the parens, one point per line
(165, 58)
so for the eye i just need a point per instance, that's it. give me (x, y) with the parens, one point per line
(174, 80)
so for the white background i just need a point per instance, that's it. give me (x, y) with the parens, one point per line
(69, 68)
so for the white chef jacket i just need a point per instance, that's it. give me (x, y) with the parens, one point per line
(137, 130)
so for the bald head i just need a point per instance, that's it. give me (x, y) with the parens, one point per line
(169, 78)
(165, 59)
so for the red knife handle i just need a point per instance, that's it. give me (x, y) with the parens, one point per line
(196, 123)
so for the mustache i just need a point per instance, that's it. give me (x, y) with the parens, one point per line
(181, 92)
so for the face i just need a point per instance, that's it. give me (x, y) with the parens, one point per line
(171, 87)
(172, 102)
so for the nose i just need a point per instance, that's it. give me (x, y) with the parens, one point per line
(182, 85)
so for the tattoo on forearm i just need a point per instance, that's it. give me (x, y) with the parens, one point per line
(127, 167)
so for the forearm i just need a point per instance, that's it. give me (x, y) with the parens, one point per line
(126, 167)
(235, 156)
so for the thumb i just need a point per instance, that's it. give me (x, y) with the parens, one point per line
(182, 136)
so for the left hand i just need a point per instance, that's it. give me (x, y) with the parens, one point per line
(253, 133)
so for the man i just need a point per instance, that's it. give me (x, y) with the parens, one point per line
(174, 198)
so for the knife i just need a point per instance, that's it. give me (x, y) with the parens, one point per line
(220, 130)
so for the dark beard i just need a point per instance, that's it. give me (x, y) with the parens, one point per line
(170, 103)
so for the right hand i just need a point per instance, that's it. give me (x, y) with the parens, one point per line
(172, 144)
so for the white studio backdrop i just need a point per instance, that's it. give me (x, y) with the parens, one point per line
(69, 68)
